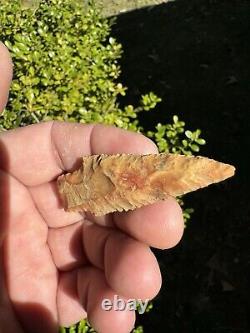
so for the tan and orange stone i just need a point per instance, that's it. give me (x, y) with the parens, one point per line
(122, 182)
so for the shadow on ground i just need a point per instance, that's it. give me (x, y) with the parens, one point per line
(195, 55)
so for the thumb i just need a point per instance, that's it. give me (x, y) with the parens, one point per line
(5, 75)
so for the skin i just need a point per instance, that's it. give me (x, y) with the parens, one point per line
(56, 267)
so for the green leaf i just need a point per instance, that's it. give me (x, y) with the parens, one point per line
(195, 147)
(189, 134)
(201, 141)
(175, 119)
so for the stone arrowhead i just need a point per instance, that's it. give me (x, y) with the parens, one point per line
(109, 183)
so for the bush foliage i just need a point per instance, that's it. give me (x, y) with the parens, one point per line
(66, 68)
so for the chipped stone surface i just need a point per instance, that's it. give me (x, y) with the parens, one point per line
(109, 183)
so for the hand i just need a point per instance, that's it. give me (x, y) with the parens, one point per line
(57, 267)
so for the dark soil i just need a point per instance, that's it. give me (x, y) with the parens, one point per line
(195, 54)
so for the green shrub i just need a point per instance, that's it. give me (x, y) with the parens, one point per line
(66, 68)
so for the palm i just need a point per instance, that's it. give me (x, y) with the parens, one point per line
(57, 265)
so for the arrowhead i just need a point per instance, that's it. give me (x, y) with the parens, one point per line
(108, 183)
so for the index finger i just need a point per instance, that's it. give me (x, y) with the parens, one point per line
(39, 153)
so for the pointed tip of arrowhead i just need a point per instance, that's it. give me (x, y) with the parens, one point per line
(229, 170)
(223, 171)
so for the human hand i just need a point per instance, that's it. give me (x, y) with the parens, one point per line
(57, 267)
